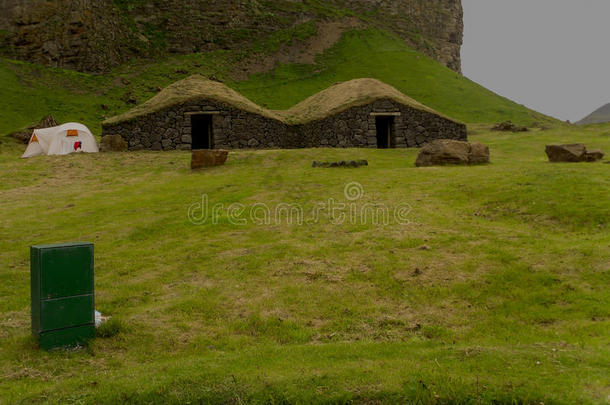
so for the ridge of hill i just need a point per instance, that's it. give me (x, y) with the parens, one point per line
(599, 116)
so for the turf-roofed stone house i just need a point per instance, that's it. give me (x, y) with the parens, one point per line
(196, 113)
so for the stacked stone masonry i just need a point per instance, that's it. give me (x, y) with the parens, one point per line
(236, 129)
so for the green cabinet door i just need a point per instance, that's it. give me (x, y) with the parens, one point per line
(66, 312)
(66, 270)
(78, 335)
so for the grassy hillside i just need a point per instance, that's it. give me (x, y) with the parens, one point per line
(495, 289)
(599, 116)
(379, 55)
(30, 92)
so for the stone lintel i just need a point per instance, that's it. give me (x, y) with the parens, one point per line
(386, 114)
(189, 113)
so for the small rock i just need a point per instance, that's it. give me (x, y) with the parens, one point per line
(113, 143)
(594, 155)
(208, 158)
(129, 98)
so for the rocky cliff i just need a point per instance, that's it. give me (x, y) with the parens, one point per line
(95, 35)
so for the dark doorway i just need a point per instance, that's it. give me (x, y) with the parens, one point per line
(385, 132)
(202, 132)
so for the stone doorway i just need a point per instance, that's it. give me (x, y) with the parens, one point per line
(385, 132)
(202, 131)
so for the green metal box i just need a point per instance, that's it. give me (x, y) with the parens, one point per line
(62, 294)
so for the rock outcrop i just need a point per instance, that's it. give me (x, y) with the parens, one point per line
(449, 152)
(95, 35)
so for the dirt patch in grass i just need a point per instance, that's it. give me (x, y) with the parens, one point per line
(298, 51)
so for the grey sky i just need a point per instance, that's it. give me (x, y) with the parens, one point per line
(551, 55)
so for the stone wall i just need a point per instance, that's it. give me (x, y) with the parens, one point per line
(171, 128)
(236, 129)
(356, 127)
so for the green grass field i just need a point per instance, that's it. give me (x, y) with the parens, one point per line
(495, 291)
(29, 92)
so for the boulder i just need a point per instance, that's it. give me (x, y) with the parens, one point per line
(594, 155)
(479, 154)
(450, 152)
(113, 143)
(24, 135)
(208, 158)
(576, 152)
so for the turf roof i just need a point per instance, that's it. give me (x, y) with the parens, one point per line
(335, 99)
(195, 87)
(342, 96)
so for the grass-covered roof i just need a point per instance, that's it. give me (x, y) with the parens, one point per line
(195, 87)
(342, 96)
(331, 101)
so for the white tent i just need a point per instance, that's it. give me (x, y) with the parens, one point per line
(61, 140)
